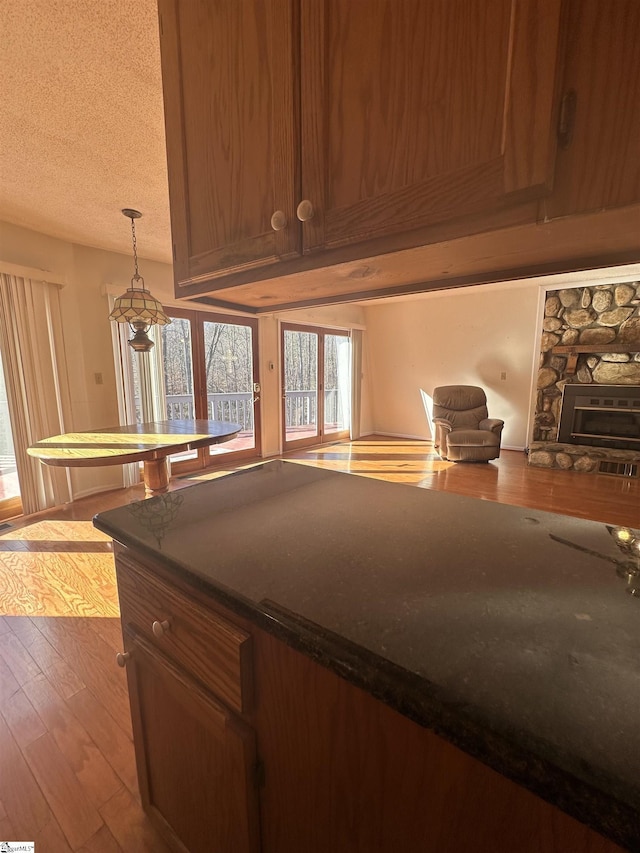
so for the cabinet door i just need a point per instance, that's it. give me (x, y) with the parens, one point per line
(196, 761)
(598, 165)
(227, 69)
(415, 113)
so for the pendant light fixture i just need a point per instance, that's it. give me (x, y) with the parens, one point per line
(137, 306)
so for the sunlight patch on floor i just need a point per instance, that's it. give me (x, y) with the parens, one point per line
(202, 476)
(381, 448)
(397, 470)
(57, 531)
(57, 584)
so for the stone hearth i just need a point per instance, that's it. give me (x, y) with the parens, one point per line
(590, 335)
(588, 460)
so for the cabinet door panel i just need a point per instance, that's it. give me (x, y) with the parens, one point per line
(414, 113)
(600, 166)
(196, 761)
(229, 113)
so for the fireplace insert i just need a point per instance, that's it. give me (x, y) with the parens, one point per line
(601, 415)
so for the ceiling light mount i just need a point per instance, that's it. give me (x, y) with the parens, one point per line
(130, 213)
(137, 306)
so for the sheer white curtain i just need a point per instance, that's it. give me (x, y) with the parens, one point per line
(32, 349)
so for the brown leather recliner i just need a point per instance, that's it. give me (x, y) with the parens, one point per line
(463, 430)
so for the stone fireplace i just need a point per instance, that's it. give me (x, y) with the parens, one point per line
(587, 415)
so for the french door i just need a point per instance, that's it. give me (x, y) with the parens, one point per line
(210, 365)
(316, 385)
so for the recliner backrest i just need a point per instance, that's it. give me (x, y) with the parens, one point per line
(464, 406)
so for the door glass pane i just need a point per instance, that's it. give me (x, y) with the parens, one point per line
(135, 380)
(9, 486)
(300, 384)
(177, 360)
(337, 383)
(228, 354)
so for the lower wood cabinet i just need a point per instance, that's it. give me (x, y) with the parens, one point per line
(196, 760)
(304, 761)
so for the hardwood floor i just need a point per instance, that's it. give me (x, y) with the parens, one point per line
(67, 771)
(509, 479)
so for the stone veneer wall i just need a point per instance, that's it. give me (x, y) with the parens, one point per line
(596, 315)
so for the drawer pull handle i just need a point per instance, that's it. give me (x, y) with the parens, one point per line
(121, 659)
(160, 628)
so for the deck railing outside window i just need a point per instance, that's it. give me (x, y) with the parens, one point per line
(238, 407)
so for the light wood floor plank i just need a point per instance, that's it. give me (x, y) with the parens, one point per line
(93, 662)
(7, 831)
(95, 775)
(22, 718)
(8, 683)
(17, 658)
(22, 595)
(51, 839)
(115, 743)
(52, 584)
(130, 826)
(109, 630)
(102, 842)
(25, 804)
(53, 665)
(23, 627)
(53, 529)
(78, 818)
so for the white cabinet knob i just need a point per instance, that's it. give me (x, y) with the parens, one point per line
(279, 220)
(121, 659)
(160, 628)
(305, 210)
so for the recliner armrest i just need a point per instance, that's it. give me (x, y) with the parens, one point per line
(446, 425)
(441, 429)
(491, 424)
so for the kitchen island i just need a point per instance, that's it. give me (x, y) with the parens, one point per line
(324, 662)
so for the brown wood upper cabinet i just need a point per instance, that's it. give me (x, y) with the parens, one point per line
(297, 127)
(230, 107)
(417, 112)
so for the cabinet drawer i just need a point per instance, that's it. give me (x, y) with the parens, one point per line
(208, 647)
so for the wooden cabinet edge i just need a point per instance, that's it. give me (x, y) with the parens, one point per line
(524, 250)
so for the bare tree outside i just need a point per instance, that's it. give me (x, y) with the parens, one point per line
(228, 362)
(305, 378)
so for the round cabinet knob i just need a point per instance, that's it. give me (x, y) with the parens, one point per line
(122, 658)
(160, 628)
(279, 220)
(305, 210)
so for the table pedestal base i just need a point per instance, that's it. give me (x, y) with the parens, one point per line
(156, 476)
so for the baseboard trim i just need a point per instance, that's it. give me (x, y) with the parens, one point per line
(97, 490)
(406, 435)
(519, 448)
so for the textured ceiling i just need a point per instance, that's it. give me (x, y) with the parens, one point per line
(81, 122)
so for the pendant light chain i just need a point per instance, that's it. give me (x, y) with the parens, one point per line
(135, 248)
(137, 278)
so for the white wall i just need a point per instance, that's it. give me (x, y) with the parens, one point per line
(468, 336)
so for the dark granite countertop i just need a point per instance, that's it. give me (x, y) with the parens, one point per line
(508, 631)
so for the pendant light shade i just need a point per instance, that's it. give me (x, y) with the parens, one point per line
(137, 306)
